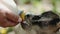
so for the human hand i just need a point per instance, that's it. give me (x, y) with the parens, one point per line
(8, 19)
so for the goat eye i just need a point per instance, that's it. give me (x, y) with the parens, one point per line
(54, 21)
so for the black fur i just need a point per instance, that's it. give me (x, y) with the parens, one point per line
(53, 22)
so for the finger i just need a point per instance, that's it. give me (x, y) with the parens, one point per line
(19, 20)
(2, 17)
(7, 23)
(12, 17)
